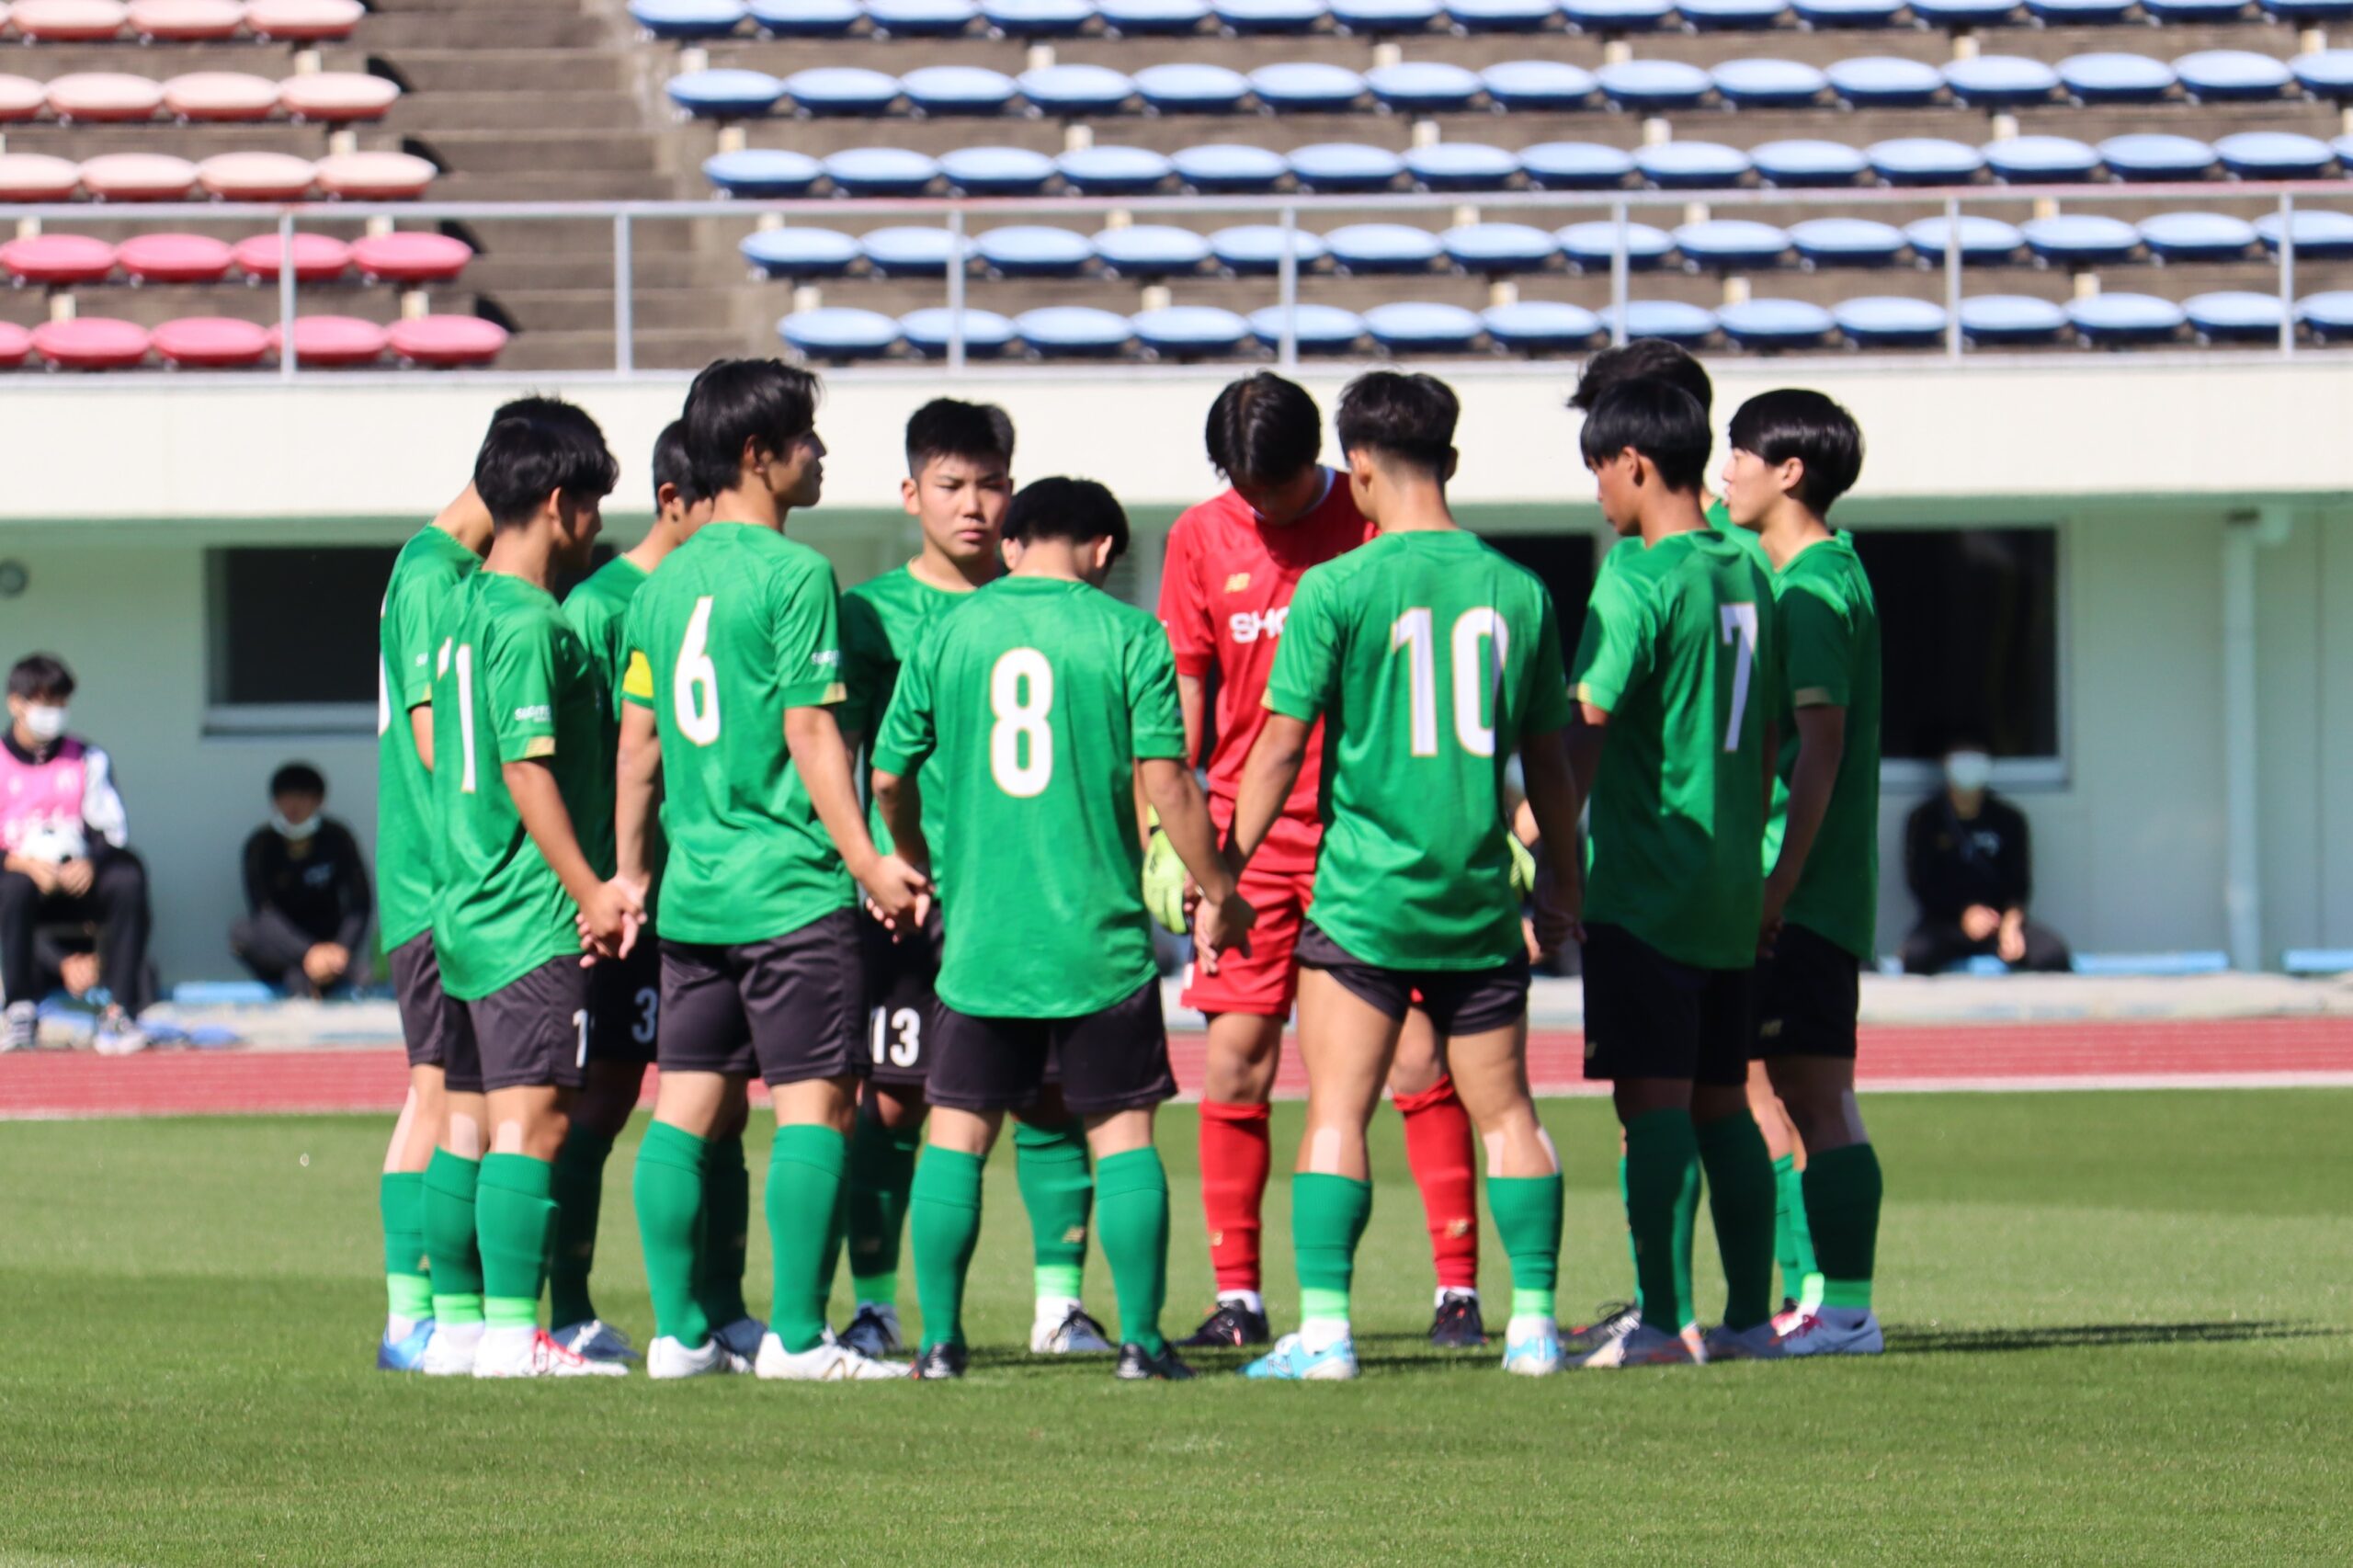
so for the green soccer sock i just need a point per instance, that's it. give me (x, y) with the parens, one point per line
(1686, 1226)
(579, 1200)
(1662, 1163)
(408, 1291)
(944, 1220)
(1058, 1192)
(1842, 1200)
(1134, 1191)
(668, 1187)
(450, 1248)
(804, 1194)
(1792, 1237)
(1740, 1200)
(726, 1233)
(1633, 1248)
(515, 1220)
(881, 1173)
(1327, 1219)
(1528, 1218)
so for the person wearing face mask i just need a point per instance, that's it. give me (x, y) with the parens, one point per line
(1969, 863)
(307, 898)
(64, 834)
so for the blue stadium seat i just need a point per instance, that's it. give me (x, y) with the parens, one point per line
(1730, 16)
(2157, 156)
(1113, 171)
(1881, 81)
(1417, 327)
(1191, 87)
(1136, 18)
(2324, 73)
(1383, 247)
(1423, 86)
(1890, 320)
(2115, 78)
(1546, 85)
(2305, 12)
(806, 19)
(998, 171)
(1589, 247)
(1252, 250)
(2317, 961)
(1328, 166)
(1654, 86)
(2113, 321)
(2040, 160)
(2081, 239)
(921, 18)
(1767, 84)
(1575, 165)
(1823, 14)
(2225, 76)
(2276, 154)
(1500, 15)
(986, 333)
(1073, 91)
(1984, 242)
(1032, 19)
(1228, 168)
(1462, 166)
(675, 20)
(2193, 962)
(910, 250)
(1381, 18)
(1248, 16)
(763, 173)
(1316, 329)
(841, 90)
(1033, 250)
(1150, 250)
(1074, 332)
(2344, 145)
(2319, 235)
(881, 171)
(838, 333)
(1807, 163)
(1776, 324)
(1923, 160)
(2235, 315)
(1848, 242)
(1497, 249)
(1306, 87)
(799, 253)
(1691, 165)
(2329, 315)
(1189, 332)
(1540, 326)
(1687, 326)
(731, 94)
(958, 89)
(1606, 16)
(2079, 13)
(2197, 236)
(2000, 81)
(1954, 14)
(2193, 13)
(1731, 244)
(2011, 319)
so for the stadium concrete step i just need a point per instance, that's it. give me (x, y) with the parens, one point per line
(542, 153)
(149, 307)
(194, 142)
(520, 70)
(486, 27)
(446, 114)
(656, 310)
(564, 185)
(161, 61)
(534, 266)
(683, 350)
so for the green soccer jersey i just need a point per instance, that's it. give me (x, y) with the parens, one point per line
(1427, 655)
(519, 688)
(598, 611)
(739, 625)
(425, 575)
(1679, 648)
(1719, 518)
(1830, 651)
(883, 621)
(1025, 711)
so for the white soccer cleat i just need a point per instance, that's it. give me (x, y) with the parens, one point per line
(20, 1029)
(1065, 1328)
(1642, 1345)
(1532, 1347)
(533, 1353)
(596, 1339)
(875, 1330)
(743, 1338)
(828, 1361)
(1290, 1361)
(1756, 1343)
(119, 1035)
(451, 1350)
(1835, 1331)
(666, 1358)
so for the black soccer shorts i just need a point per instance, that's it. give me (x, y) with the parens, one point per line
(1808, 993)
(1459, 1002)
(1111, 1060)
(533, 1032)
(1648, 1015)
(786, 1010)
(435, 1024)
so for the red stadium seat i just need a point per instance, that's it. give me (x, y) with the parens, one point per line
(333, 342)
(337, 97)
(256, 176)
(303, 21)
(318, 258)
(375, 177)
(69, 21)
(22, 98)
(37, 176)
(14, 341)
(105, 97)
(91, 343)
(444, 342)
(175, 258)
(220, 96)
(138, 176)
(58, 258)
(186, 21)
(410, 257)
(211, 341)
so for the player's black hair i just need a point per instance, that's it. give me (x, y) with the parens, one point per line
(1659, 420)
(1264, 427)
(1079, 510)
(1645, 359)
(765, 402)
(670, 467)
(298, 778)
(945, 427)
(41, 675)
(1409, 417)
(538, 445)
(1794, 422)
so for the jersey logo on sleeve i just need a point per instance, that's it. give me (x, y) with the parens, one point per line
(534, 713)
(1238, 581)
(1248, 626)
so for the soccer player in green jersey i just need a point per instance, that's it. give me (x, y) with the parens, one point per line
(1430, 659)
(1795, 453)
(1675, 677)
(958, 483)
(1021, 733)
(734, 673)
(518, 740)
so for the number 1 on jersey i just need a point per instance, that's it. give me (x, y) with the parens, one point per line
(1739, 626)
(464, 662)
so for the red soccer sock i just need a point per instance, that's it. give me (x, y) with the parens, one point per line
(1438, 1148)
(1235, 1158)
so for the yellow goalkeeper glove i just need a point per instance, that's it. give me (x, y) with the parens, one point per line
(1163, 884)
(1523, 864)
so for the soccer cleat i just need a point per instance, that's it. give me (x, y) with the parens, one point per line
(1458, 1325)
(828, 1361)
(1789, 1316)
(1074, 1333)
(875, 1330)
(1854, 1333)
(1642, 1345)
(743, 1338)
(1231, 1327)
(406, 1354)
(533, 1353)
(1138, 1365)
(20, 1030)
(1613, 1321)
(117, 1035)
(598, 1340)
(666, 1358)
(1291, 1361)
(452, 1351)
(1532, 1347)
(1756, 1343)
(940, 1364)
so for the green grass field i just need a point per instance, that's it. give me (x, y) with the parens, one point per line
(2118, 1332)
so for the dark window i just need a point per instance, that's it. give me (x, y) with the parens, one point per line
(1969, 623)
(1564, 562)
(295, 626)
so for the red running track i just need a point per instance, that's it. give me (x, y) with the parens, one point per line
(2156, 1054)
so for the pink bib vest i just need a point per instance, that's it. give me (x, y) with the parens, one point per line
(40, 798)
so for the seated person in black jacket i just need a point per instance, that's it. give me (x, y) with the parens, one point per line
(307, 897)
(1967, 858)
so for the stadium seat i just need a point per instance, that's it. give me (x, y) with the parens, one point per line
(1150, 250)
(1614, 16)
(221, 97)
(1776, 324)
(410, 257)
(104, 97)
(805, 19)
(16, 343)
(1548, 86)
(1821, 13)
(2181, 963)
(1847, 241)
(1381, 247)
(1189, 332)
(22, 98)
(1256, 249)
(1687, 326)
(2324, 73)
(91, 343)
(798, 254)
(1327, 329)
(2197, 236)
(1691, 165)
(2319, 235)
(210, 343)
(957, 89)
(1383, 17)
(1726, 16)
(1225, 168)
(1416, 326)
(1575, 165)
(332, 342)
(1540, 326)
(1923, 160)
(2276, 154)
(1072, 92)
(881, 171)
(1591, 246)
(2151, 155)
(2040, 160)
(52, 260)
(1328, 168)
(1462, 166)
(138, 176)
(1152, 17)
(37, 176)
(2011, 319)
(1114, 171)
(69, 21)
(2317, 961)
(998, 171)
(175, 258)
(2115, 78)
(1031, 250)
(374, 177)
(831, 90)
(2000, 81)
(757, 173)
(1473, 16)
(1654, 86)
(1884, 81)
(446, 343)
(839, 333)
(2307, 11)
(2225, 75)
(910, 250)
(1808, 163)
(185, 21)
(2081, 239)
(1958, 13)
(1889, 321)
(1984, 242)
(2109, 321)
(1767, 84)
(986, 333)
(1731, 244)
(337, 97)
(2079, 13)
(318, 258)
(1074, 332)
(2344, 145)
(1245, 18)
(1305, 87)
(679, 21)
(258, 176)
(2329, 315)
(921, 18)
(732, 94)
(1422, 88)
(1189, 88)
(303, 21)
(2194, 13)
(2235, 315)
(1033, 19)
(1496, 250)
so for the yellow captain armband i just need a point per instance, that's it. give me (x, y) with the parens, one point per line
(637, 681)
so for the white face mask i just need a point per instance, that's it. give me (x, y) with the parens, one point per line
(293, 831)
(46, 722)
(1969, 771)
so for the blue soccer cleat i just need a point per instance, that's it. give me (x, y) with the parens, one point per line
(404, 1354)
(1291, 1361)
(1532, 1347)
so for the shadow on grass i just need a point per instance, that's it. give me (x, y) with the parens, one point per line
(1915, 1341)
